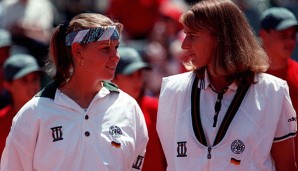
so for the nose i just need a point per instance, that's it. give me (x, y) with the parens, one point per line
(115, 55)
(185, 44)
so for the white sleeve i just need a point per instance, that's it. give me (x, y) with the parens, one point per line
(287, 124)
(141, 140)
(20, 144)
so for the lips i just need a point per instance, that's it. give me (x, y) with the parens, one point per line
(190, 56)
(189, 53)
(111, 67)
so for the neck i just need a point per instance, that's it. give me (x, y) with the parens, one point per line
(218, 83)
(82, 94)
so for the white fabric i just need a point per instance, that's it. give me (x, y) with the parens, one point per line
(30, 143)
(108, 32)
(79, 37)
(264, 114)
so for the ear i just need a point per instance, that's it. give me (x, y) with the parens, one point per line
(76, 49)
(77, 52)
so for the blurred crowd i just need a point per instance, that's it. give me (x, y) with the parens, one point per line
(150, 26)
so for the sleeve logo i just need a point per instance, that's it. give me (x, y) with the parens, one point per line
(292, 119)
(137, 165)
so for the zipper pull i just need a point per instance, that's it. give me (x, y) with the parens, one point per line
(209, 153)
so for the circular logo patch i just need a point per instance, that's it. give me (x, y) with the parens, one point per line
(237, 147)
(115, 131)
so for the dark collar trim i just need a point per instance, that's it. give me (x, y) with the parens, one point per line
(48, 91)
(231, 112)
(195, 110)
(111, 86)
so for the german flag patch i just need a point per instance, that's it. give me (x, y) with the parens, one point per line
(115, 144)
(235, 161)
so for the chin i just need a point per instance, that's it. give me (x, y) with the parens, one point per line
(108, 78)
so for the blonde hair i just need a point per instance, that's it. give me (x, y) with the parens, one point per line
(60, 54)
(238, 55)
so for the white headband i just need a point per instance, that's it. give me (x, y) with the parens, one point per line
(92, 35)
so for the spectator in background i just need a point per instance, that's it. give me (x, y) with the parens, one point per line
(5, 47)
(167, 27)
(129, 77)
(30, 23)
(158, 50)
(70, 8)
(156, 55)
(278, 30)
(252, 10)
(30, 18)
(22, 81)
(138, 16)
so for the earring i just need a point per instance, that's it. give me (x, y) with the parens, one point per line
(82, 62)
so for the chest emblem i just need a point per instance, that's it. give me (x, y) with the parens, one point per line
(115, 131)
(237, 147)
(181, 149)
(57, 133)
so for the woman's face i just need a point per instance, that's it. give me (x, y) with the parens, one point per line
(100, 59)
(200, 46)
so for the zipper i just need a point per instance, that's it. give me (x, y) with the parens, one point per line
(209, 153)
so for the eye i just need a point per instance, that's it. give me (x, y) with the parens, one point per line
(106, 49)
(192, 36)
(188, 37)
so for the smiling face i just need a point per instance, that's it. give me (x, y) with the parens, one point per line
(200, 46)
(97, 60)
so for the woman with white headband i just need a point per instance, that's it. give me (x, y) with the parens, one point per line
(80, 121)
